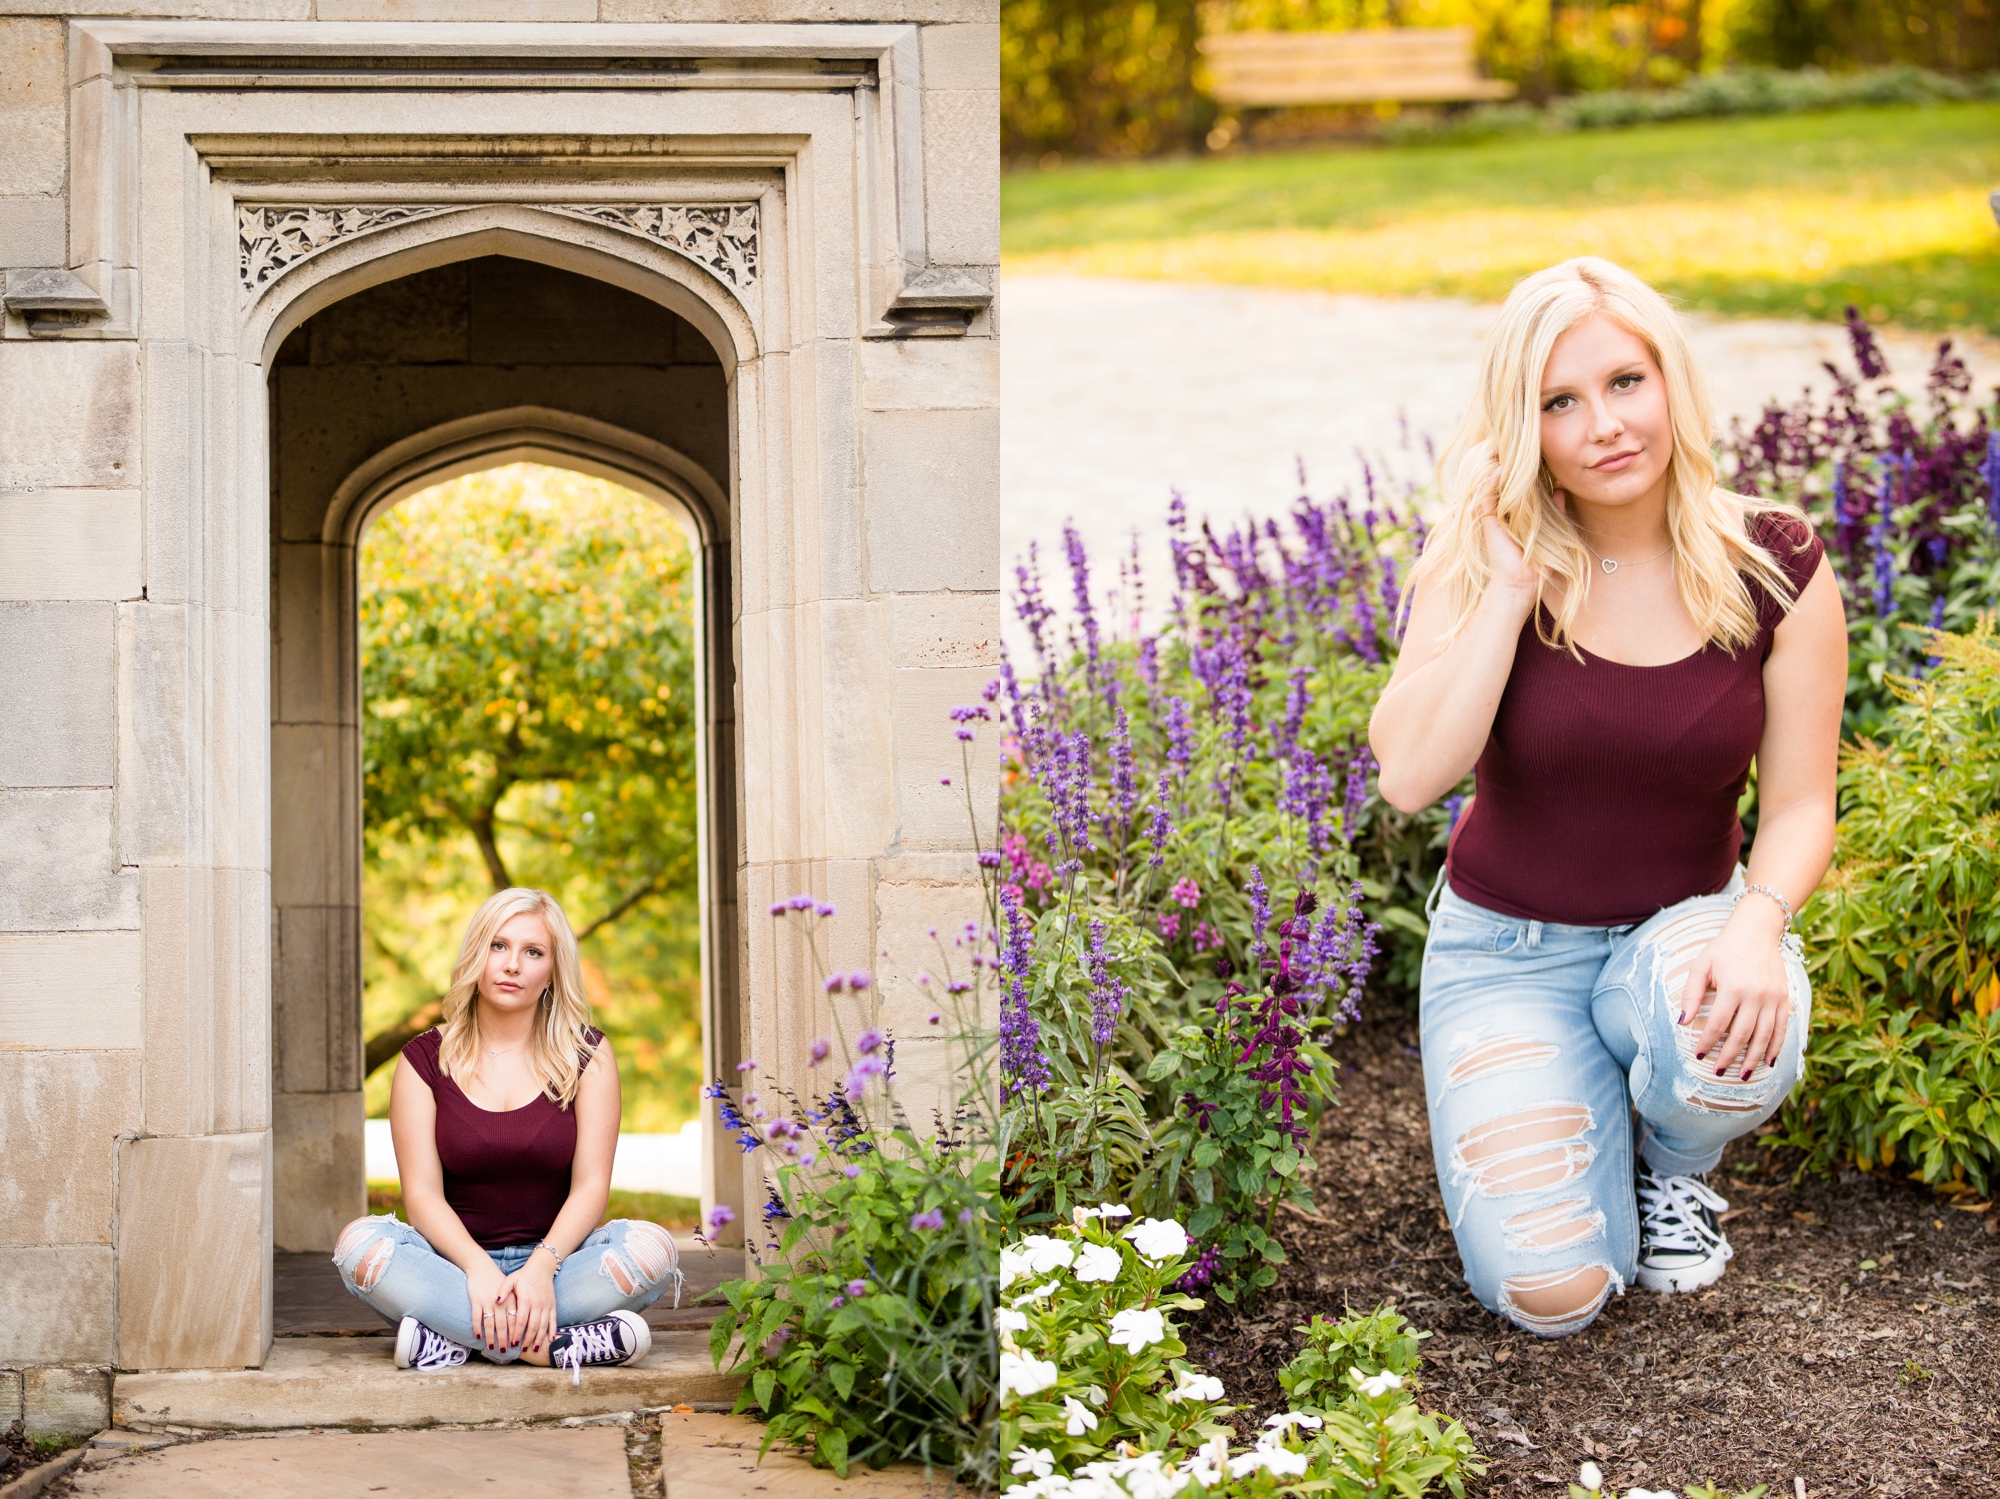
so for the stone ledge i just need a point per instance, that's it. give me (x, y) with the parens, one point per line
(320, 1382)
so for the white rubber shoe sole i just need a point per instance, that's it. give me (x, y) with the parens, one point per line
(638, 1332)
(1696, 1275)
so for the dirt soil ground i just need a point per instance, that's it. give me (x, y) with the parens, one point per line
(1798, 1365)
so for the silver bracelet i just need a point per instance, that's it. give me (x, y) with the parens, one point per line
(545, 1244)
(1783, 904)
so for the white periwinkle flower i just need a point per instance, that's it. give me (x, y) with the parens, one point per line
(1035, 1255)
(1098, 1262)
(1008, 1320)
(1080, 1216)
(1038, 1462)
(1024, 1374)
(1158, 1238)
(1278, 1460)
(1194, 1387)
(1081, 1417)
(1143, 1476)
(1375, 1386)
(1138, 1330)
(1590, 1476)
(1293, 1418)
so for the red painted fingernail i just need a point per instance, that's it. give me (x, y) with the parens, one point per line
(1701, 1056)
(1720, 1068)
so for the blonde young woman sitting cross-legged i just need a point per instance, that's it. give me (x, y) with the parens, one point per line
(506, 1120)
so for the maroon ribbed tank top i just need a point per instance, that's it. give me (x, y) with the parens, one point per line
(506, 1173)
(1608, 792)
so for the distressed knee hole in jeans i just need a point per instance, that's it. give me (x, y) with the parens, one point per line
(1675, 950)
(1553, 1302)
(646, 1256)
(1527, 1151)
(1501, 1054)
(1560, 1225)
(363, 1252)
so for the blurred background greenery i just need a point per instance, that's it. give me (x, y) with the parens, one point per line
(1108, 78)
(528, 690)
(1780, 157)
(1793, 215)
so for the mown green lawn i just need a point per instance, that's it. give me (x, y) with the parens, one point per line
(1797, 216)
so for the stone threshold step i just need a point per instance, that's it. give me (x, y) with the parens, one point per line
(321, 1382)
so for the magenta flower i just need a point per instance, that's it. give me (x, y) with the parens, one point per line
(720, 1216)
(748, 1064)
(1186, 893)
(933, 1218)
(818, 1051)
(857, 1288)
(868, 1041)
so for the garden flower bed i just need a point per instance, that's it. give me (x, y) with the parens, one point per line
(1800, 1363)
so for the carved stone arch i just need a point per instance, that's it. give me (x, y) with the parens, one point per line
(555, 235)
(531, 434)
(316, 721)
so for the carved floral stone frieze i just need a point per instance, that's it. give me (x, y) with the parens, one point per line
(719, 237)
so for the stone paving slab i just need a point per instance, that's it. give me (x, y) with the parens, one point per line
(354, 1382)
(715, 1457)
(556, 1463)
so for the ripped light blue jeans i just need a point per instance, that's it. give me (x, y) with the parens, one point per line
(1540, 1042)
(626, 1265)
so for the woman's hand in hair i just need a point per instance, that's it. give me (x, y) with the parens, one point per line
(1752, 1004)
(487, 1288)
(1504, 559)
(531, 1291)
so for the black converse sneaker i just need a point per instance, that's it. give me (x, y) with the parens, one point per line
(1681, 1246)
(417, 1347)
(621, 1338)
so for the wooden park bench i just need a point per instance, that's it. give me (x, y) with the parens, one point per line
(1405, 65)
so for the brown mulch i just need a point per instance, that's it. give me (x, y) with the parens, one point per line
(1798, 1365)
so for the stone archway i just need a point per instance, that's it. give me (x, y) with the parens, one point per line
(233, 179)
(372, 370)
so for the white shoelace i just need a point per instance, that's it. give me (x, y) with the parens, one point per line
(436, 1351)
(590, 1343)
(1671, 1207)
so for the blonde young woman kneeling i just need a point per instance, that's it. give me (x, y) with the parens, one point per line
(1607, 639)
(505, 1120)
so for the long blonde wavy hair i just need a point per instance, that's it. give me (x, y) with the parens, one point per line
(557, 1045)
(1713, 551)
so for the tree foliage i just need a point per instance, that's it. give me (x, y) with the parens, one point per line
(528, 718)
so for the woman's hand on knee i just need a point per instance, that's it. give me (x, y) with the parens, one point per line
(486, 1288)
(1751, 1004)
(531, 1293)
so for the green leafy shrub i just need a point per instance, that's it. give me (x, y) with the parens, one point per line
(1740, 91)
(1903, 937)
(868, 1336)
(1098, 1399)
(1320, 1375)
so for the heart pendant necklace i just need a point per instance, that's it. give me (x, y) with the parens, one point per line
(1611, 565)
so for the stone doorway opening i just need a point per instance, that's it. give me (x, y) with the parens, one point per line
(453, 370)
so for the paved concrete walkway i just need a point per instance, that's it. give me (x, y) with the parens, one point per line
(549, 1464)
(671, 1455)
(1113, 393)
